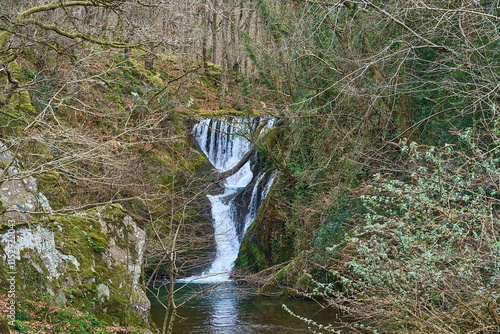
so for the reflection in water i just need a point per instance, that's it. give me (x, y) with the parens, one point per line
(224, 310)
(230, 310)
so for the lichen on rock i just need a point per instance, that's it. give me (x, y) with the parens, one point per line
(41, 240)
(90, 260)
(18, 191)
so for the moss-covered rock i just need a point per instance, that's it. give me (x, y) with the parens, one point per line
(18, 196)
(267, 241)
(70, 257)
(211, 79)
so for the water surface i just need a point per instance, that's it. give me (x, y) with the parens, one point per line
(229, 309)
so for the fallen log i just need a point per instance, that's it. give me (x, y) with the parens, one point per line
(221, 176)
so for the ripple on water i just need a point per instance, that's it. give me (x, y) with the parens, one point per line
(231, 310)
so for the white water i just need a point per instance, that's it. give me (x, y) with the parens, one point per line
(224, 146)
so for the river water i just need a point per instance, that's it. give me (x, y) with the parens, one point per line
(229, 309)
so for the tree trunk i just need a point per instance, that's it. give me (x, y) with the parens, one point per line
(206, 26)
(213, 27)
(149, 60)
(224, 65)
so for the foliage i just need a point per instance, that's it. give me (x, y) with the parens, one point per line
(352, 79)
(333, 231)
(425, 257)
(68, 321)
(21, 327)
(4, 325)
(22, 315)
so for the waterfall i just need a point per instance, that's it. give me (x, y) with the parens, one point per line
(224, 144)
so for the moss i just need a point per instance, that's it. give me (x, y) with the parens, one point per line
(34, 258)
(196, 93)
(24, 101)
(268, 139)
(97, 241)
(81, 236)
(19, 108)
(73, 235)
(4, 326)
(195, 105)
(250, 254)
(28, 278)
(211, 79)
(4, 36)
(10, 117)
(14, 115)
(303, 283)
(267, 242)
(21, 100)
(117, 308)
(178, 122)
(155, 80)
(112, 212)
(53, 186)
(228, 112)
(277, 282)
(139, 72)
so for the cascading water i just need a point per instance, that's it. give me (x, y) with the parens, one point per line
(224, 148)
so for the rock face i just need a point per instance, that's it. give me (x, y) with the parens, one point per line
(18, 193)
(91, 260)
(41, 240)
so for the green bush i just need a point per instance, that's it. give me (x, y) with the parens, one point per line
(426, 256)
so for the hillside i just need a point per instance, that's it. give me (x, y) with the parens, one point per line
(384, 139)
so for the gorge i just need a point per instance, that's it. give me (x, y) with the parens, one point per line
(137, 150)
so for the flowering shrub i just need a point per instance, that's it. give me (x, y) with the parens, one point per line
(426, 257)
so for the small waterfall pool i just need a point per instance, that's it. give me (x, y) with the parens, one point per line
(228, 308)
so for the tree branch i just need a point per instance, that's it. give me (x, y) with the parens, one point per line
(57, 4)
(235, 168)
(404, 26)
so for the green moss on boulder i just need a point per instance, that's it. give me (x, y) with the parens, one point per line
(74, 258)
(267, 241)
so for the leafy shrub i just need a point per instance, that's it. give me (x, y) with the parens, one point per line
(22, 315)
(426, 256)
(21, 327)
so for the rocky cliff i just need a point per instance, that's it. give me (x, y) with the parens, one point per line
(90, 260)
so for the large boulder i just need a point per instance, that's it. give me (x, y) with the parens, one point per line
(19, 194)
(90, 260)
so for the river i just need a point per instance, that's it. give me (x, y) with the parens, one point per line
(230, 309)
